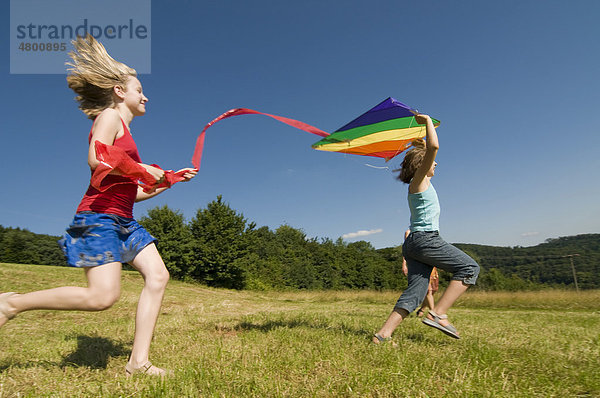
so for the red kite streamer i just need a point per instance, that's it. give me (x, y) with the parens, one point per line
(243, 111)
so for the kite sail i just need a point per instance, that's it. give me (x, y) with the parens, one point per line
(383, 131)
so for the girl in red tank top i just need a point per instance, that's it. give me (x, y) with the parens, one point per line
(103, 234)
(120, 196)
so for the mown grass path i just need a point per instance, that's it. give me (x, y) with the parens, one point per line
(227, 343)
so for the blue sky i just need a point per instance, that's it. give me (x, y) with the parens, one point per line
(514, 83)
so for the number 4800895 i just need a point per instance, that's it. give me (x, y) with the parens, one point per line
(42, 46)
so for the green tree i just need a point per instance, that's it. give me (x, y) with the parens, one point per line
(262, 265)
(25, 247)
(49, 251)
(174, 240)
(326, 260)
(364, 254)
(390, 274)
(298, 269)
(220, 245)
(18, 246)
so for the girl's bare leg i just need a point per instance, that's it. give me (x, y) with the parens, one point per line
(393, 321)
(103, 290)
(454, 290)
(149, 263)
(429, 299)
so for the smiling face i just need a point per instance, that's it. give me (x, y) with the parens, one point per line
(134, 98)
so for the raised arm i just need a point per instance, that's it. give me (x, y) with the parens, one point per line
(420, 181)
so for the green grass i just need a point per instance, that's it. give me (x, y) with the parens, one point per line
(227, 343)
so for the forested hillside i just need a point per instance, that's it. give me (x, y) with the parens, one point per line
(219, 247)
(546, 263)
(21, 246)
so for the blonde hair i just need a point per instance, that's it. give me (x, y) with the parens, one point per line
(412, 161)
(93, 74)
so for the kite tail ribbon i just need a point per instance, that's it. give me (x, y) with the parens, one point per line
(115, 158)
(197, 157)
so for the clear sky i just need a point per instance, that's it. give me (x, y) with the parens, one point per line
(515, 84)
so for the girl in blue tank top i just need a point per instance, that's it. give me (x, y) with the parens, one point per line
(424, 249)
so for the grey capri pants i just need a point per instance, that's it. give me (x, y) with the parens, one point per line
(424, 250)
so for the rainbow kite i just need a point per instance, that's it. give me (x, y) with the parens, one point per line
(383, 131)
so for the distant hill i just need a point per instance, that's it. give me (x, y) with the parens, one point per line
(545, 263)
(22, 246)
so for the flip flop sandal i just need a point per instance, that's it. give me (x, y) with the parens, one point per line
(130, 370)
(384, 340)
(435, 323)
(5, 308)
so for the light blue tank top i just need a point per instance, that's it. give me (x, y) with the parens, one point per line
(424, 210)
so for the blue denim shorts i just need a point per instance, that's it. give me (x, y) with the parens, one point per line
(95, 239)
(424, 250)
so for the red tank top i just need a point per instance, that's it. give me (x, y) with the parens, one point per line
(118, 199)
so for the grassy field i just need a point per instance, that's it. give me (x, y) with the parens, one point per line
(301, 344)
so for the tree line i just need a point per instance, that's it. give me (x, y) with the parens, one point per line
(21, 246)
(548, 264)
(219, 247)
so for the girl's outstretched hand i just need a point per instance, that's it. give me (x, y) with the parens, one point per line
(155, 172)
(422, 118)
(189, 173)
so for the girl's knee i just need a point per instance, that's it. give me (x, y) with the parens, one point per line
(103, 300)
(159, 279)
(164, 277)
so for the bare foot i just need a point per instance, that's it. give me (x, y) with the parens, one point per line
(7, 311)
